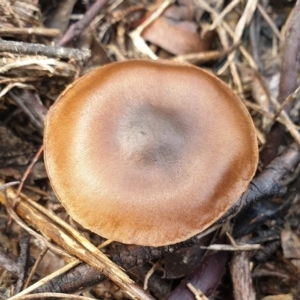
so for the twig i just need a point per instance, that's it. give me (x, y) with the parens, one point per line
(35, 266)
(30, 31)
(197, 293)
(149, 274)
(53, 275)
(40, 49)
(236, 248)
(6, 185)
(53, 295)
(239, 29)
(224, 41)
(23, 260)
(241, 277)
(203, 57)
(221, 16)
(283, 118)
(46, 279)
(9, 262)
(26, 174)
(76, 29)
(29, 102)
(136, 37)
(269, 21)
(286, 102)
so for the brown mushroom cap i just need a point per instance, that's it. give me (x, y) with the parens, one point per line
(149, 152)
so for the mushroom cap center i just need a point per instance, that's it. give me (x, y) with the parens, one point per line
(150, 135)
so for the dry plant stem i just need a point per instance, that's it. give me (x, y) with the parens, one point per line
(23, 260)
(76, 29)
(241, 277)
(283, 118)
(46, 279)
(288, 82)
(286, 102)
(224, 41)
(30, 31)
(203, 57)
(59, 272)
(226, 28)
(236, 248)
(27, 172)
(270, 22)
(35, 266)
(239, 29)
(198, 294)
(16, 218)
(6, 185)
(223, 13)
(29, 103)
(80, 248)
(136, 37)
(40, 49)
(53, 295)
(149, 274)
(8, 263)
(18, 79)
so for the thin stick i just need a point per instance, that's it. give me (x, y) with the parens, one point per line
(53, 295)
(27, 172)
(46, 279)
(136, 37)
(55, 274)
(40, 49)
(270, 22)
(35, 266)
(76, 29)
(50, 32)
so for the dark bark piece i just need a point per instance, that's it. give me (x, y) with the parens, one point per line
(249, 220)
(268, 183)
(157, 286)
(205, 277)
(241, 276)
(183, 261)
(23, 261)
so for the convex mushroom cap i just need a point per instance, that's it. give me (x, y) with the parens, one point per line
(149, 152)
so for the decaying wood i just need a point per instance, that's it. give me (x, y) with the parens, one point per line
(241, 277)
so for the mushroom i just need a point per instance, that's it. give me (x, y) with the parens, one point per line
(149, 152)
